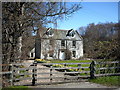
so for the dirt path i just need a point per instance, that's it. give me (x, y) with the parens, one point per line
(42, 74)
(42, 77)
(27, 63)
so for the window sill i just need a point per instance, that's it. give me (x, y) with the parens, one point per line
(73, 46)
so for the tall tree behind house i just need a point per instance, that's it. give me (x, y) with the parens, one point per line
(101, 41)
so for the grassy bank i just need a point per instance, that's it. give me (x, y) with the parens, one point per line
(109, 80)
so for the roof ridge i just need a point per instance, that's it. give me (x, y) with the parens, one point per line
(56, 29)
(60, 30)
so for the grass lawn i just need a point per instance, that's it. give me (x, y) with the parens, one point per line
(72, 61)
(17, 87)
(108, 80)
(74, 65)
(69, 61)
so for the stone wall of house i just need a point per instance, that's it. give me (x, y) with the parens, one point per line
(45, 47)
(78, 49)
(49, 46)
(54, 49)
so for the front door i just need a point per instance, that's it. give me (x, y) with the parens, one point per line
(62, 55)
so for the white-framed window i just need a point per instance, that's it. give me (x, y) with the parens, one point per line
(74, 43)
(50, 33)
(62, 42)
(50, 54)
(70, 33)
(31, 54)
(51, 42)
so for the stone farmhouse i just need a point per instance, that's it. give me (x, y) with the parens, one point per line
(58, 44)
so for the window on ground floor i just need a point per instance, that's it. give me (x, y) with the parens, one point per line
(31, 54)
(50, 54)
(74, 53)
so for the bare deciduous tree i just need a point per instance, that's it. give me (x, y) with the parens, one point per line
(19, 16)
(101, 41)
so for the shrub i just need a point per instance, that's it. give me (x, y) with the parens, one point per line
(40, 60)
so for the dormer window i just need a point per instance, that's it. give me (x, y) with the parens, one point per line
(70, 33)
(49, 33)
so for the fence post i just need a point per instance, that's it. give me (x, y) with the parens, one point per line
(92, 70)
(12, 69)
(51, 74)
(79, 65)
(65, 73)
(34, 73)
(12, 74)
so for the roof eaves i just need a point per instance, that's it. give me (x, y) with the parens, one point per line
(79, 35)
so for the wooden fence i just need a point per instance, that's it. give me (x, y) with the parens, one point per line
(70, 71)
(108, 68)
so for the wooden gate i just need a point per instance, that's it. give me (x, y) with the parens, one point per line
(49, 73)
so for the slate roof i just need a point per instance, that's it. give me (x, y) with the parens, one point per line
(59, 34)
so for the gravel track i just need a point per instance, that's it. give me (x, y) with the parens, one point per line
(74, 85)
